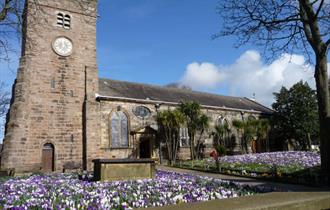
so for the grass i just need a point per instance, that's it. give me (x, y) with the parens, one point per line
(277, 171)
(4, 179)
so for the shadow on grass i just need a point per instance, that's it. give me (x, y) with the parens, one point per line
(312, 176)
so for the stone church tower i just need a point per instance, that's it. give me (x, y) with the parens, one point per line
(53, 99)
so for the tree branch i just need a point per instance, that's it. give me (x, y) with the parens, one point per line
(319, 9)
(5, 10)
(327, 43)
(317, 44)
(307, 30)
(292, 18)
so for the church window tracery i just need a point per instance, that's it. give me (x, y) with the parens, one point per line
(222, 121)
(184, 137)
(119, 129)
(141, 111)
(225, 138)
(251, 118)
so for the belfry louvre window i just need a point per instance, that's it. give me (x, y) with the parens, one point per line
(63, 20)
(67, 21)
(119, 129)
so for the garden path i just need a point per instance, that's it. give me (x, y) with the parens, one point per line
(249, 181)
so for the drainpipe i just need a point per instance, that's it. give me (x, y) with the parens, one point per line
(84, 123)
(157, 106)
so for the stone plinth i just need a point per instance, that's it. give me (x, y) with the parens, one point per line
(123, 169)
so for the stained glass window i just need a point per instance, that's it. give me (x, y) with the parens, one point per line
(119, 129)
(141, 111)
(226, 140)
(184, 137)
(223, 121)
(251, 118)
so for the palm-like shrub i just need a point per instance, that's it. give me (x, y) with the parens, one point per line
(249, 129)
(195, 121)
(170, 122)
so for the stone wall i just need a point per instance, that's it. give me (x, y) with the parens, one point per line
(48, 96)
(54, 100)
(135, 123)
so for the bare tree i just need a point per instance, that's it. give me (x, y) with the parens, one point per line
(287, 26)
(10, 26)
(11, 22)
(4, 100)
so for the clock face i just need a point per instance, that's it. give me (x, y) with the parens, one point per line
(62, 46)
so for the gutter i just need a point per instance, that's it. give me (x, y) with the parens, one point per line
(149, 101)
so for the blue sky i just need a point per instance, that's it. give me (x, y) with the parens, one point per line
(152, 41)
(165, 41)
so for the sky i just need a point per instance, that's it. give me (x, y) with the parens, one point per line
(165, 41)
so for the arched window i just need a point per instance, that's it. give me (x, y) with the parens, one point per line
(184, 137)
(63, 20)
(226, 131)
(252, 118)
(141, 111)
(223, 121)
(119, 129)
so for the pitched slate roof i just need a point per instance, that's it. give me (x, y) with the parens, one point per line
(123, 89)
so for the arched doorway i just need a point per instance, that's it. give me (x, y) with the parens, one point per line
(47, 157)
(145, 145)
(145, 150)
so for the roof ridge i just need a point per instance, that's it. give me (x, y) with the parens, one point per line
(173, 88)
(253, 101)
(142, 91)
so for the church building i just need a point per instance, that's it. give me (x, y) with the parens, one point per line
(63, 114)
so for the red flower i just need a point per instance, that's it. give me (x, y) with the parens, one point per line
(214, 154)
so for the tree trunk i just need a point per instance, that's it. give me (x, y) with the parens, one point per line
(198, 147)
(192, 144)
(322, 86)
(309, 142)
(314, 37)
(177, 140)
(168, 144)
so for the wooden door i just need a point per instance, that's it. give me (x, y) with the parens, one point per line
(48, 158)
(254, 146)
(145, 150)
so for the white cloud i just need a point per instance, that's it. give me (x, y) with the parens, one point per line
(248, 75)
(204, 75)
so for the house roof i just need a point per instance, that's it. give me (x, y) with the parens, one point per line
(138, 91)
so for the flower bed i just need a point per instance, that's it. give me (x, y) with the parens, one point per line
(292, 166)
(299, 158)
(67, 191)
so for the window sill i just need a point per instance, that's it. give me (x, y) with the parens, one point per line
(117, 148)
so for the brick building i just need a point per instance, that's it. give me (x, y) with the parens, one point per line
(61, 112)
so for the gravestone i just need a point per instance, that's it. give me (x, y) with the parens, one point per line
(123, 169)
